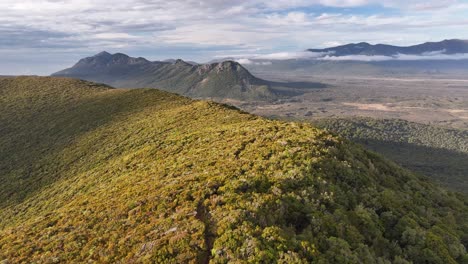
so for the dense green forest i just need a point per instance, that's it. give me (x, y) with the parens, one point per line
(94, 174)
(440, 153)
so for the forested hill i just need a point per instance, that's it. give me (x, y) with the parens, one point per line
(398, 130)
(94, 174)
(438, 152)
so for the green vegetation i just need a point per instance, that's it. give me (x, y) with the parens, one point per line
(437, 152)
(89, 173)
(397, 130)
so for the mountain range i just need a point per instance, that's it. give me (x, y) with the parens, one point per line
(221, 80)
(89, 173)
(227, 79)
(449, 47)
(447, 57)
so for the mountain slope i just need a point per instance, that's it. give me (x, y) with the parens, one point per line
(218, 80)
(89, 173)
(437, 152)
(453, 46)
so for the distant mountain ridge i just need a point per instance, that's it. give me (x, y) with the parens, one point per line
(452, 46)
(447, 57)
(226, 79)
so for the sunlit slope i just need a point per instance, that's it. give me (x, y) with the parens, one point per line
(90, 173)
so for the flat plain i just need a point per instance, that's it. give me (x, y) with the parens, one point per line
(427, 99)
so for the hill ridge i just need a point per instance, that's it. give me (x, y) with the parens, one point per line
(142, 175)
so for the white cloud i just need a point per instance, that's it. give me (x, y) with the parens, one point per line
(399, 57)
(433, 57)
(345, 3)
(212, 27)
(356, 58)
(265, 59)
(245, 61)
(331, 44)
(421, 5)
(289, 55)
(291, 18)
(114, 36)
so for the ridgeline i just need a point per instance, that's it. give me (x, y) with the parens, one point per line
(90, 173)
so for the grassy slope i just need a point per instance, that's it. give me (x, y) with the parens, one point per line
(433, 151)
(93, 173)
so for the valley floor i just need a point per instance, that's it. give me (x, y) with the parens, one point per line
(441, 101)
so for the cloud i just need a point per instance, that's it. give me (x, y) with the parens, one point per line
(245, 61)
(291, 18)
(212, 21)
(421, 5)
(439, 56)
(265, 59)
(356, 58)
(398, 57)
(332, 44)
(201, 30)
(290, 55)
(345, 3)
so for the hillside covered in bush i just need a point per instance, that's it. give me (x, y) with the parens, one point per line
(440, 153)
(90, 173)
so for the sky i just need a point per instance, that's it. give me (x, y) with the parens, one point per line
(44, 36)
